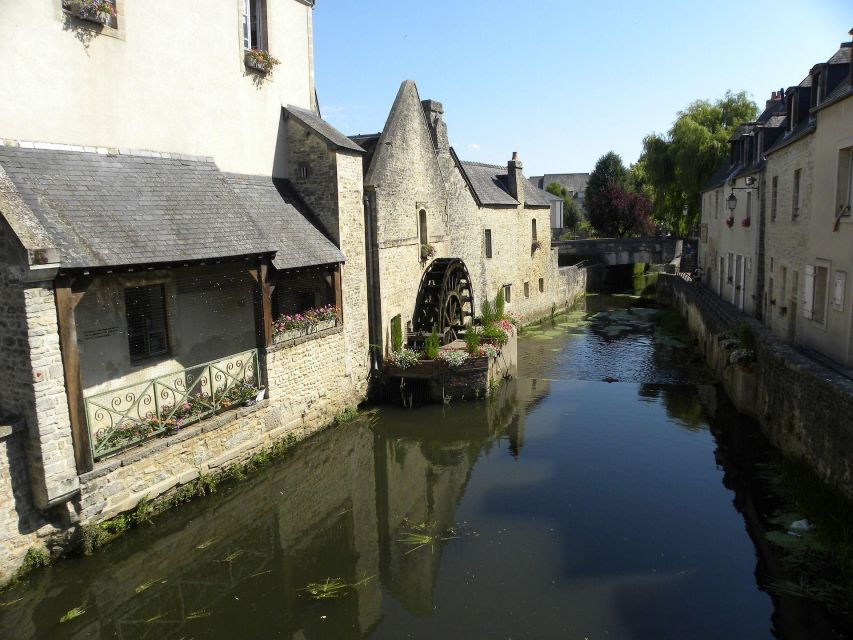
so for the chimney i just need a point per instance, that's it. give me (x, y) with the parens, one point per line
(775, 97)
(434, 112)
(515, 179)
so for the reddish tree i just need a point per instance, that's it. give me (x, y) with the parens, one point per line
(617, 213)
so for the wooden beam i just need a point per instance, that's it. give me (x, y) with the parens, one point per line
(263, 306)
(339, 298)
(64, 295)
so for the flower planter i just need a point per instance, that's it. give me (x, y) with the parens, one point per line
(293, 334)
(259, 60)
(254, 63)
(427, 251)
(79, 9)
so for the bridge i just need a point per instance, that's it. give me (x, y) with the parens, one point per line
(619, 251)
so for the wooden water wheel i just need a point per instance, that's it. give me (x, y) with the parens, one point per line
(445, 299)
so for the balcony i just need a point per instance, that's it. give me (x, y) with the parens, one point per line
(128, 416)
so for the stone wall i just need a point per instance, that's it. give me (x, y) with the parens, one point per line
(570, 285)
(805, 409)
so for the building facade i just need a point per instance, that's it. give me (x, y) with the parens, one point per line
(776, 216)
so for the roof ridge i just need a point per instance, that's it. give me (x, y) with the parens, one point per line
(483, 164)
(104, 151)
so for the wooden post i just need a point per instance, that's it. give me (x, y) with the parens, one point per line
(263, 305)
(339, 299)
(66, 299)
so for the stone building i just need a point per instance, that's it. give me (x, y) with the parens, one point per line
(789, 174)
(433, 218)
(152, 228)
(573, 183)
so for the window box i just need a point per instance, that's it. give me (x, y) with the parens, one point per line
(260, 60)
(100, 11)
(291, 327)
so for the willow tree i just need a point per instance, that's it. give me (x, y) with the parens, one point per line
(676, 166)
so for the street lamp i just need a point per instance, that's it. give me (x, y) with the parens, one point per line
(731, 202)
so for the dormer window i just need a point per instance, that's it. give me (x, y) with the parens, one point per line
(793, 112)
(254, 25)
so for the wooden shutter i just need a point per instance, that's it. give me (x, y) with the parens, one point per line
(808, 292)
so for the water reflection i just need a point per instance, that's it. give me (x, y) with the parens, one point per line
(564, 506)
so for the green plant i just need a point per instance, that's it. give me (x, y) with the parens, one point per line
(347, 415)
(34, 559)
(500, 303)
(396, 334)
(453, 359)
(472, 342)
(487, 313)
(432, 345)
(494, 334)
(403, 359)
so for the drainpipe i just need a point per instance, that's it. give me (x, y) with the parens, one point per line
(374, 333)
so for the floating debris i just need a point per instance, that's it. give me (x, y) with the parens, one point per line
(159, 616)
(201, 613)
(147, 585)
(425, 534)
(260, 573)
(207, 543)
(332, 588)
(231, 557)
(71, 614)
(10, 603)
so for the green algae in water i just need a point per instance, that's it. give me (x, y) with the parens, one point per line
(201, 613)
(72, 614)
(332, 588)
(147, 585)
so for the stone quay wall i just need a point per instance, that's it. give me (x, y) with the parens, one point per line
(803, 407)
(307, 385)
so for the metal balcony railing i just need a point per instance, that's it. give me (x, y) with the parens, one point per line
(125, 417)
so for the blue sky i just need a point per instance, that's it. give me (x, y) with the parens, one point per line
(561, 82)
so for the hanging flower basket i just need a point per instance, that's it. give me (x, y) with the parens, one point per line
(100, 11)
(747, 222)
(535, 245)
(261, 60)
(730, 222)
(427, 251)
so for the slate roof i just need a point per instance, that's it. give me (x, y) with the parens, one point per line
(574, 182)
(118, 210)
(367, 142)
(719, 177)
(323, 128)
(843, 90)
(842, 56)
(299, 238)
(806, 127)
(489, 182)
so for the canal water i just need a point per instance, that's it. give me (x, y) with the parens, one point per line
(605, 492)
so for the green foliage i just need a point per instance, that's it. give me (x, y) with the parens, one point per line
(609, 174)
(432, 345)
(487, 313)
(500, 303)
(396, 334)
(674, 167)
(347, 415)
(35, 558)
(494, 334)
(571, 212)
(472, 342)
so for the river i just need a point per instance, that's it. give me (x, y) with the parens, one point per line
(565, 506)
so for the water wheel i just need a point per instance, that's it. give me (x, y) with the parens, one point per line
(445, 299)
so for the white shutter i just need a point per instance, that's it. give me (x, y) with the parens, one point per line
(247, 43)
(808, 300)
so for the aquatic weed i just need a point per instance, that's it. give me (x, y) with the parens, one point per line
(71, 614)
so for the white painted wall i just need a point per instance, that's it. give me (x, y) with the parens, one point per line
(170, 78)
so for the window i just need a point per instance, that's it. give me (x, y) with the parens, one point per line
(422, 226)
(303, 170)
(533, 229)
(488, 240)
(716, 204)
(795, 197)
(541, 285)
(526, 289)
(254, 24)
(145, 308)
(749, 204)
(844, 193)
(774, 196)
(508, 293)
(784, 290)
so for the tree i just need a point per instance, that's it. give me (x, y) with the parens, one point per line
(571, 214)
(617, 212)
(675, 166)
(600, 198)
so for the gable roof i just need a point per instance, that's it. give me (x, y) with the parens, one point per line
(299, 239)
(323, 128)
(104, 210)
(574, 182)
(490, 187)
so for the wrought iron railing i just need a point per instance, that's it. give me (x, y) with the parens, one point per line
(124, 417)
